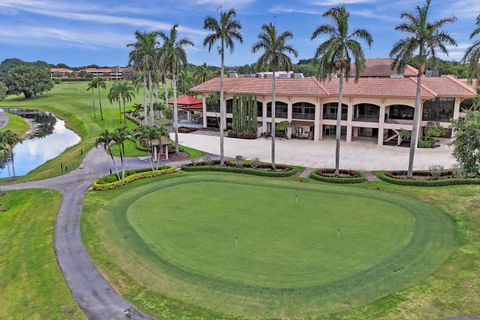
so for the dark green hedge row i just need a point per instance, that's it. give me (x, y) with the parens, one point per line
(383, 175)
(103, 184)
(256, 172)
(358, 178)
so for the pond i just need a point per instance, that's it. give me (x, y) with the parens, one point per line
(48, 140)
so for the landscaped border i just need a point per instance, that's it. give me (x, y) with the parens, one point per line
(358, 178)
(245, 170)
(138, 174)
(385, 176)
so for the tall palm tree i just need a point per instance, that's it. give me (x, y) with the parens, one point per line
(119, 136)
(126, 92)
(146, 135)
(203, 73)
(335, 55)
(275, 55)
(114, 95)
(174, 59)
(92, 85)
(225, 30)
(185, 82)
(143, 57)
(424, 39)
(106, 139)
(472, 55)
(100, 85)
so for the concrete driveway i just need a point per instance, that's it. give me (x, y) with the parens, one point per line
(360, 154)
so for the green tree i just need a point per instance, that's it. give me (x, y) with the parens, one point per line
(100, 85)
(147, 136)
(127, 94)
(119, 136)
(173, 58)
(275, 55)
(10, 138)
(106, 140)
(472, 55)
(3, 91)
(144, 59)
(424, 39)
(185, 82)
(467, 142)
(225, 30)
(335, 55)
(92, 86)
(29, 80)
(114, 96)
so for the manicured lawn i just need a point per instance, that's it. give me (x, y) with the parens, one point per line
(15, 124)
(31, 283)
(245, 246)
(73, 103)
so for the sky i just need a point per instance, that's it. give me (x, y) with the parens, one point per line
(83, 32)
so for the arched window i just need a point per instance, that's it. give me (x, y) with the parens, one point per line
(303, 110)
(281, 109)
(401, 112)
(366, 112)
(330, 111)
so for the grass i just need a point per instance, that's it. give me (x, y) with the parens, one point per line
(71, 102)
(15, 124)
(31, 283)
(289, 262)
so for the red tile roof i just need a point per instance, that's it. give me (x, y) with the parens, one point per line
(365, 87)
(382, 67)
(187, 101)
(61, 70)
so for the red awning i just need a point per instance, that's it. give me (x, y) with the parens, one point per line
(187, 101)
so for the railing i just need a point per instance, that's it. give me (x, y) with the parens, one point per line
(307, 116)
(213, 109)
(278, 114)
(367, 118)
(333, 116)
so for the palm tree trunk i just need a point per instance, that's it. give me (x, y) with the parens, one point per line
(13, 163)
(114, 164)
(124, 114)
(93, 104)
(339, 126)
(120, 110)
(415, 127)
(122, 160)
(150, 93)
(273, 120)
(175, 114)
(100, 103)
(145, 97)
(166, 93)
(222, 104)
(6, 163)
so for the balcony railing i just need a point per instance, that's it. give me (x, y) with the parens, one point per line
(278, 114)
(333, 116)
(305, 116)
(367, 118)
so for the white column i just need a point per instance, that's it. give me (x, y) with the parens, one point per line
(320, 133)
(456, 110)
(264, 116)
(224, 120)
(289, 112)
(349, 122)
(316, 131)
(381, 124)
(204, 111)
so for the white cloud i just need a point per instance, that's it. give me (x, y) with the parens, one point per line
(365, 13)
(463, 8)
(339, 2)
(281, 9)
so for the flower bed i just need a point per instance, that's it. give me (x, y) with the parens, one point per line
(186, 130)
(346, 176)
(263, 169)
(111, 181)
(425, 178)
(242, 135)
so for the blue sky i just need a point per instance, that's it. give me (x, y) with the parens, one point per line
(85, 32)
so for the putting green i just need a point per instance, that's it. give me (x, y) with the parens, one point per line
(267, 248)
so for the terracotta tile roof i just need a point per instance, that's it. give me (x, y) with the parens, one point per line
(382, 67)
(61, 70)
(365, 87)
(187, 101)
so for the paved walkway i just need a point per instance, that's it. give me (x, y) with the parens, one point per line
(3, 120)
(362, 154)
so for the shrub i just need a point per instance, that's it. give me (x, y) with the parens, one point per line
(425, 143)
(436, 170)
(247, 169)
(387, 177)
(242, 135)
(104, 184)
(255, 163)
(239, 161)
(434, 130)
(354, 176)
(208, 160)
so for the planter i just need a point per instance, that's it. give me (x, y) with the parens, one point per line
(110, 182)
(263, 169)
(346, 176)
(425, 179)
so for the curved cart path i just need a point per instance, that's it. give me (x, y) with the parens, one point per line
(92, 292)
(89, 288)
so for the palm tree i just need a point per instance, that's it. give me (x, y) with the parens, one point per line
(275, 56)
(174, 59)
(225, 30)
(423, 40)
(119, 136)
(106, 139)
(143, 57)
(126, 91)
(100, 85)
(114, 95)
(10, 139)
(203, 73)
(472, 55)
(335, 55)
(147, 135)
(92, 85)
(185, 82)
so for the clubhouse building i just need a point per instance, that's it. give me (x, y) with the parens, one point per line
(378, 106)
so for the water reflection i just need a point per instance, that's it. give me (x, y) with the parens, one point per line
(51, 138)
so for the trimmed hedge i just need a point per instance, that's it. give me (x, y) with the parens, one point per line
(104, 184)
(245, 170)
(383, 175)
(358, 178)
